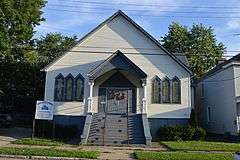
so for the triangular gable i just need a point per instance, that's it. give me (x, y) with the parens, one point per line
(117, 61)
(135, 25)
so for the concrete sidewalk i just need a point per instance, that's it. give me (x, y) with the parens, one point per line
(11, 134)
(106, 152)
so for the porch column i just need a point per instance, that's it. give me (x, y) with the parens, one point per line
(90, 98)
(144, 99)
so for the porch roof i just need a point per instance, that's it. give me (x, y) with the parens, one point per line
(117, 61)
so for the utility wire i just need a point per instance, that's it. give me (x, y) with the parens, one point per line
(142, 48)
(145, 10)
(136, 53)
(222, 80)
(147, 15)
(152, 5)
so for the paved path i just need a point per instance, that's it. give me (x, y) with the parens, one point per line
(11, 134)
(107, 152)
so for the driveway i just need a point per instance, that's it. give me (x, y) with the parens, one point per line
(11, 134)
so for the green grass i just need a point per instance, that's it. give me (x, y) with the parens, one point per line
(181, 156)
(49, 152)
(37, 141)
(202, 146)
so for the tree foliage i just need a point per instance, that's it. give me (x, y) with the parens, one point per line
(198, 43)
(17, 21)
(22, 81)
(53, 45)
(22, 56)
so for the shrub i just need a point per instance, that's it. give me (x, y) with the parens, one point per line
(193, 119)
(199, 134)
(180, 132)
(44, 129)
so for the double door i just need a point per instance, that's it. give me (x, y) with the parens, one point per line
(115, 100)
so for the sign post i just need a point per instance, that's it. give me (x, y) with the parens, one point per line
(44, 111)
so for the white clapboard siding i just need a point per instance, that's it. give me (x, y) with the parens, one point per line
(121, 35)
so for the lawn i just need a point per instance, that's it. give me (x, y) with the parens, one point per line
(50, 152)
(202, 146)
(181, 156)
(37, 141)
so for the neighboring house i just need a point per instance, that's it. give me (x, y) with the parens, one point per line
(218, 98)
(118, 85)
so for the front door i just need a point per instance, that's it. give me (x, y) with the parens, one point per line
(114, 105)
(117, 101)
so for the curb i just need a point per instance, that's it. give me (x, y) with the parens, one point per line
(41, 157)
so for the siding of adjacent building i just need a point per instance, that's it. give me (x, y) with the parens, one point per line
(216, 94)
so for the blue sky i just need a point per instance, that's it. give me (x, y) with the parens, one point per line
(78, 17)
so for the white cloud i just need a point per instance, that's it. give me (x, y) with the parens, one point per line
(233, 24)
(71, 22)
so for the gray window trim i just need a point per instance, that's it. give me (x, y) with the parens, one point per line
(79, 76)
(59, 76)
(176, 79)
(154, 79)
(166, 79)
(65, 90)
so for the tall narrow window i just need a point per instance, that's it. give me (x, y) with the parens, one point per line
(59, 88)
(79, 88)
(166, 90)
(69, 88)
(176, 90)
(156, 90)
(209, 114)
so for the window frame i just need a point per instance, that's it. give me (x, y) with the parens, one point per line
(66, 87)
(166, 79)
(159, 81)
(209, 114)
(176, 79)
(79, 76)
(61, 99)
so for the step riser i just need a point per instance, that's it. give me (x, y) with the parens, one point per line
(106, 128)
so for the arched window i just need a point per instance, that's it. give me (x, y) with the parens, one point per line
(59, 88)
(156, 90)
(176, 90)
(69, 81)
(166, 90)
(79, 88)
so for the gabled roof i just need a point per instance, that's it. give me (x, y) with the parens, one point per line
(220, 66)
(117, 61)
(119, 12)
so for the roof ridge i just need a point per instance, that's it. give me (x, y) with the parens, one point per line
(120, 12)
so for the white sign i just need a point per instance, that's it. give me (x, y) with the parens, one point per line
(44, 110)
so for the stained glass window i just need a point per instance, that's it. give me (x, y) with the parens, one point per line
(79, 88)
(59, 88)
(156, 90)
(176, 90)
(166, 90)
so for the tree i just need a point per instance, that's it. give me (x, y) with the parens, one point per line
(21, 56)
(177, 39)
(53, 45)
(17, 21)
(198, 43)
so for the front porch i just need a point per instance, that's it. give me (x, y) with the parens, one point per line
(116, 110)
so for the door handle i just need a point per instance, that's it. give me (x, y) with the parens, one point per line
(102, 102)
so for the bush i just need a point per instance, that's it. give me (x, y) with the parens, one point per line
(193, 119)
(44, 129)
(199, 134)
(180, 132)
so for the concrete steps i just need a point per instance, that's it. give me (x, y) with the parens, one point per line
(116, 129)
